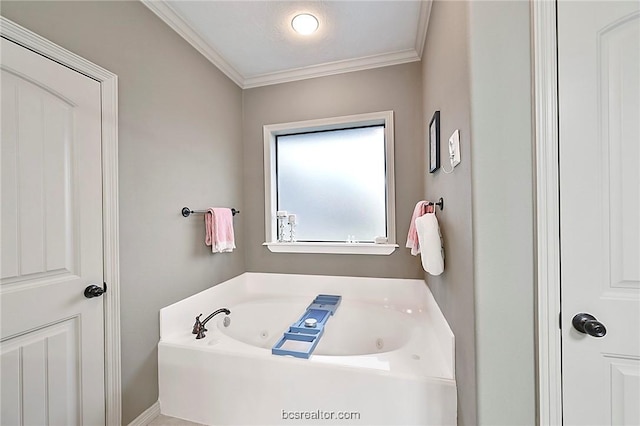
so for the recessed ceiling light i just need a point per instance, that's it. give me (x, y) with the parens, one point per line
(305, 23)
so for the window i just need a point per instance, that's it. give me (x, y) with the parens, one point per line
(336, 176)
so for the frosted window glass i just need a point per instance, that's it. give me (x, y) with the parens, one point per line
(335, 182)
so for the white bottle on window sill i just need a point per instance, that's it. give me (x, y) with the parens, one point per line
(281, 216)
(293, 220)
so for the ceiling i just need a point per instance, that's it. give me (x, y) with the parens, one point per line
(253, 42)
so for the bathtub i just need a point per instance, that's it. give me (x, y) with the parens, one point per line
(386, 356)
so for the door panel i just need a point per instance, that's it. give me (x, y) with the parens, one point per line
(599, 106)
(52, 337)
(38, 190)
(43, 387)
(625, 391)
(618, 61)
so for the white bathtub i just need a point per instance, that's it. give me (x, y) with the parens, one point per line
(386, 356)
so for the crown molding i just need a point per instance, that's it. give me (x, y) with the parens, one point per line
(423, 24)
(332, 68)
(170, 17)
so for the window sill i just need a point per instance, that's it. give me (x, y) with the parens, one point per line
(332, 248)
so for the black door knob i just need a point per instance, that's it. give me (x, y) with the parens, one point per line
(588, 324)
(94, 291)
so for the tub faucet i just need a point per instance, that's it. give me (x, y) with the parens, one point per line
(198, 327)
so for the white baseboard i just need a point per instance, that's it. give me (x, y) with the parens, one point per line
(147, 415)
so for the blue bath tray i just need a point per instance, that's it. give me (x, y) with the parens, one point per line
(303, 335)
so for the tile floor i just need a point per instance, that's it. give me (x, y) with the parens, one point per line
(171, 421)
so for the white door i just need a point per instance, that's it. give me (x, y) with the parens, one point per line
(52, 339)
(599, 106)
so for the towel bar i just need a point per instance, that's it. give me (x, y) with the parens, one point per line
(186, 211)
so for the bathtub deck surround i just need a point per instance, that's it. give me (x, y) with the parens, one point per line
(386, 356)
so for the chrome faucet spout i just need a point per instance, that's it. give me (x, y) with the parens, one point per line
(199, 326)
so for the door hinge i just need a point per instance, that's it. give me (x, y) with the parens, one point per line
(560, 320)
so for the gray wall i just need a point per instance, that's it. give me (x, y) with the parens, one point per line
(503, 227)
(476, 71)
(180, 144)
(445, 74)
(394, 88)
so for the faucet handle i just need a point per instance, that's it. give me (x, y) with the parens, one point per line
(197, 327)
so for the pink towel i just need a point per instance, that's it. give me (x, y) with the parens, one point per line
(219, 230)
(420, 209)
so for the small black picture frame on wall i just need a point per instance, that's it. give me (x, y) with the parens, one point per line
(434, 142)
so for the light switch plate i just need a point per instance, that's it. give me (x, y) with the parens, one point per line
(454, 148)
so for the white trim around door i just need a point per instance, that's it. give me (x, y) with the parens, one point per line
(549, 372)
(109, 98)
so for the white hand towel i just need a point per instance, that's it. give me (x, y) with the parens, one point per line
(431, 248)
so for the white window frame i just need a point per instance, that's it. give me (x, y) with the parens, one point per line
(270, 184)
